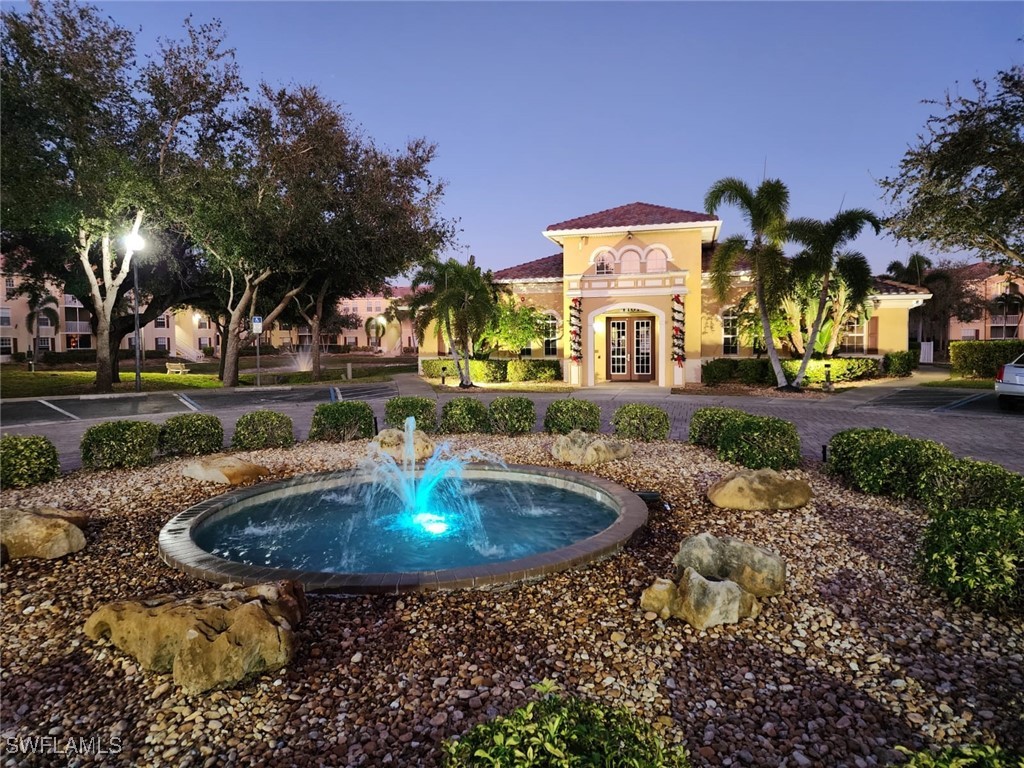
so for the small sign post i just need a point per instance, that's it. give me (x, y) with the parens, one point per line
(257, 328)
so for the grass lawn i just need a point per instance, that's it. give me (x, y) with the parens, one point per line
(961, 383)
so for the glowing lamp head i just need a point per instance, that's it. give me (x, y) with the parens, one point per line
(134, 241)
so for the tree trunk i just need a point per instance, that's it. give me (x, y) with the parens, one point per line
(233, 347)
(314, 327)
(454, 352)
(769, 339)
(104, 368)
(822, 300)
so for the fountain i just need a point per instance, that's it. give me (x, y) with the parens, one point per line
(461, 520)
(302, 358)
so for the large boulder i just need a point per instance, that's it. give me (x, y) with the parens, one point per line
(226, 470)
(756, 570)
(751, 489)
(703, 603)
(579, 447)
(44, 532)
(392, 442)
(215, 639)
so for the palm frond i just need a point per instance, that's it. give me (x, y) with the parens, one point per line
(726, 255)
(730, 191)
(855, 272)
(769, 211)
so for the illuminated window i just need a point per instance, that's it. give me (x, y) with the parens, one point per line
(854, 336)
(604, 265)
(163, 342)
(203, 323)
(6, 347)
(160, 322)
(656, 261)
(551, 336)
(730, 335)
(8, 287)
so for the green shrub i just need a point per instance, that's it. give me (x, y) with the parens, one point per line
(120, 444)
(26, 460)
(641, 422)
(967, 756)
(563, 416)
(706, 424)
(434, 367)
(759, 442)
(464, 414)
(512, 415)
(262, 429)
(424, 409)
(558, 731)
(482, 371)
(900, 364)
(534, 370)
(718, 370)
(192, 434)
(880, 461)
(976, 556)
(754, 372)
(980, 359)
(969, 484)
(339, 422)
(840, 369)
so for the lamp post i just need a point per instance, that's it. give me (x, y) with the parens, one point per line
(135, 242)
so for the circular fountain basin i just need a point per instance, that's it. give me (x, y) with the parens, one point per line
(211, 540)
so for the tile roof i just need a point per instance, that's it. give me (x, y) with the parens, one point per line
(976, 271)
(548, 266)
(632, 215)
(885, 287)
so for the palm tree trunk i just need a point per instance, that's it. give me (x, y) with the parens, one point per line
(809, 350)
(452, 349)
(769, 339)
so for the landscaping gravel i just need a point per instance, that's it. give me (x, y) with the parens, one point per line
(855, 658)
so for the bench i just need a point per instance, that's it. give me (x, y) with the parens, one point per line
(176, 368)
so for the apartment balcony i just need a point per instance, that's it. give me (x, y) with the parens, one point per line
(76, 326)
(660, 283)
(1007, 320)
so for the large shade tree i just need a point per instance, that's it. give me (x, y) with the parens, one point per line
(961, 185)
(462, 300)
(823, 242)
(91, 139)
(764, 211)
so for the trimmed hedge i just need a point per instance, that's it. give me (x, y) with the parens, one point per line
(970, 484)
(534, 370)
(981, 359)
(512, 415)
(192, 434)
(558, 731)
(424, 409)
(340, 422)
(840, 368)
(881, 461)
(464, 414)
(483, 371)
(563, 416)
(706, 424)
(262, 429)
(718, 370)
(115, 444)
(760, 442)
(641, 421)
(976, 556)
(26, 460)
(899, 364)
(755, 372)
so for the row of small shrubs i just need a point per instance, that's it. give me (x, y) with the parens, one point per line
(756, 372)
(494, 371)
(981, 359)
(757, 442)
(967, 756)
(973, 545)
(71, 356)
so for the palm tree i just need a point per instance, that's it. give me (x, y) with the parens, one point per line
(913, 272)
(848, 297)
(41, 303)
(461, 299)
(765, 214)
(822, 241)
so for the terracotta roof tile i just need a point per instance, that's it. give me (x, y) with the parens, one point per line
(548, 266)
(885, 286)
(632, 215)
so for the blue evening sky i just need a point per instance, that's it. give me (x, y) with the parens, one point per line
(547, 111)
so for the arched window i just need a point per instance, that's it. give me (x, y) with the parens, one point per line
(656, 261)
(629, 263)
(730, 331)
(604, 264)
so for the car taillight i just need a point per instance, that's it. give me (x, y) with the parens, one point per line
(999, 373)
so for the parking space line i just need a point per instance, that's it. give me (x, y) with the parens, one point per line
(60, 410)
(189, 402)
(960, 403)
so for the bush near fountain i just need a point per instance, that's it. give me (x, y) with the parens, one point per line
(423, 409)
(640, 421)
(563, 416)
(193, 434)
(26, 460)
(263, 429)
(464, 414)
(510, 415)
(757, 442)
(340, 422)
(116, 444)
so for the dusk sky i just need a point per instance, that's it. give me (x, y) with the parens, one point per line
(547, 111)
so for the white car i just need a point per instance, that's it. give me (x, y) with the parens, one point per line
(1010, 383)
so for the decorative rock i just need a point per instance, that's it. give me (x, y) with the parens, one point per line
(578, 447)
(392, 442)
(759, 489)
(227, 470)
(214, 639)
(755, 569)
(41, 532)
(704, 603)
(658, 598)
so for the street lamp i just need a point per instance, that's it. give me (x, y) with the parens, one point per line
(133, 242)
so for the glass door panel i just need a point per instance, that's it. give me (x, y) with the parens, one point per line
(642, 361)
(618, 348)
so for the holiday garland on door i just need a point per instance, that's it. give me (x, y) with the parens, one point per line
(575, 329)
(678, 331)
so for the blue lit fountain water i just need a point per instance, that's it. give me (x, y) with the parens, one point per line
(460, 519)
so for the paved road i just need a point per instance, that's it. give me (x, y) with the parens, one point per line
(966, 421)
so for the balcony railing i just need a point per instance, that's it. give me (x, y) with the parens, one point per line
(1001, 320)
(76, 326)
